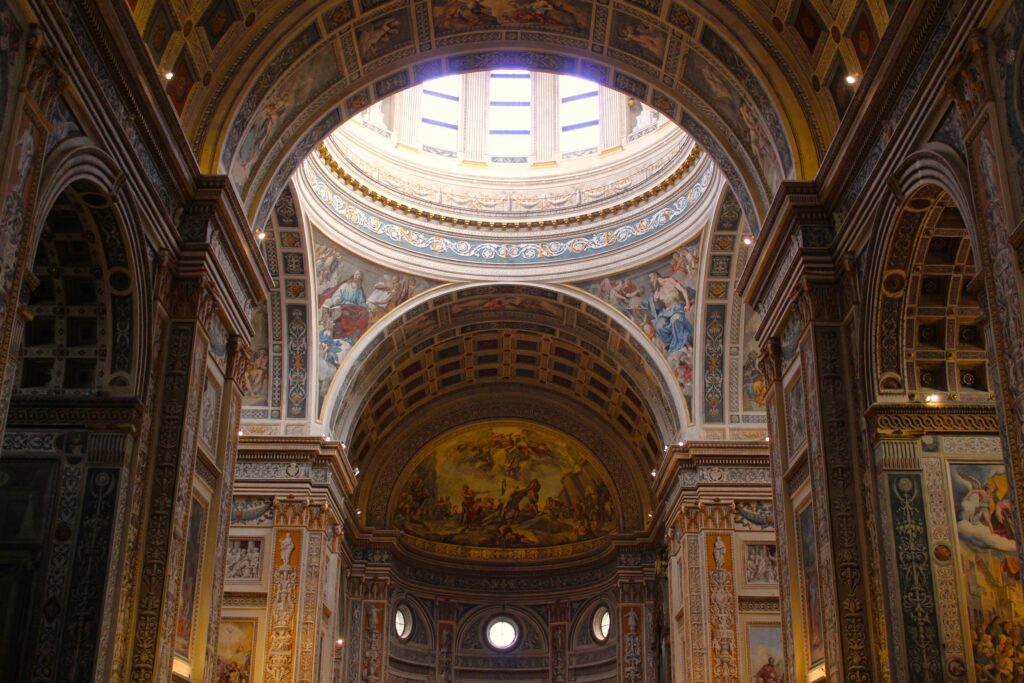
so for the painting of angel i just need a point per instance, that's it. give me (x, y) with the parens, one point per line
(990, 568)
(352, 294)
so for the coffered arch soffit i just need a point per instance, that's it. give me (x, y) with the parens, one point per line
(548, 335)
(928, 342)
(257, 90)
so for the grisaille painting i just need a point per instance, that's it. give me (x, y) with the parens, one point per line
(989, 569)
(505, 484)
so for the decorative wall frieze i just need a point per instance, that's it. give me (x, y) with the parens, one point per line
(909, 420)
(758, 604)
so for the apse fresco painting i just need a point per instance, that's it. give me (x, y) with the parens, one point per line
(989, 569)
(505, 484)
(661, 299)
(351, 295)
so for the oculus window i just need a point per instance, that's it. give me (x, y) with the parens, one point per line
(502, 633)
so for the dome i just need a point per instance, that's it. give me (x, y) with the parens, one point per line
(528, 174)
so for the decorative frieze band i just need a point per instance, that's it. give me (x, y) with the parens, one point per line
(904, 420)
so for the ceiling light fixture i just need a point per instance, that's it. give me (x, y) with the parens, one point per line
(654, 473)
(851, 78)
(260, 235)
(748, 240)
(169, 75)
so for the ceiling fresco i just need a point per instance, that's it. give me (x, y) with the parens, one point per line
(352, 294)
(258, 85)
(504, 484)
(660, 298)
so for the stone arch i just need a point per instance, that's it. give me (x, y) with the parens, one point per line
(930, 202)
(76, 163)
(714, 112)
(341, 408)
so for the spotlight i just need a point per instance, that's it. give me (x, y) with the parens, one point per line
(260, 235)
(654, 473)
(931, 398)
(851, 78)
(767, 438)
(747, 240)
(340, 642)
(357, 471)
(169, 75)
(241, 433)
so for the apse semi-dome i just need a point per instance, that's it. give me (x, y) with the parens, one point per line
(532, 174)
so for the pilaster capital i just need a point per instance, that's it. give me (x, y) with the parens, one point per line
(217, 241)
(792, 255)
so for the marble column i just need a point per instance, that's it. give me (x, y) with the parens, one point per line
(473, 117)
(545, 112)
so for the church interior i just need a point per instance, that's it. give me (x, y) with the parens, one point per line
(547, 341)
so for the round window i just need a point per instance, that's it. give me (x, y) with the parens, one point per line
(602, 623)
(502, 633)
(403, 622)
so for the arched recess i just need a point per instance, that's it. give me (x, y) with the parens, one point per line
(69, 443)
(925, 287)
(425, 316)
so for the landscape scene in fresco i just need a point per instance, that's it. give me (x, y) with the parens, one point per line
(661, 299)
(505, 484)
(352, 294)
(989, 569)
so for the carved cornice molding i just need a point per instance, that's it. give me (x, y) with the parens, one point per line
(562, 221)
(914, 420)
(792, 259)
(73, 411)
(289, 456)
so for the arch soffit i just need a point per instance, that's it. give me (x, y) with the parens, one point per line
(77, 161)
(936, 166)
(641, 69)
(342, 408)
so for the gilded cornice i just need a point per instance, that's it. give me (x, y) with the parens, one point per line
(563, 221)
